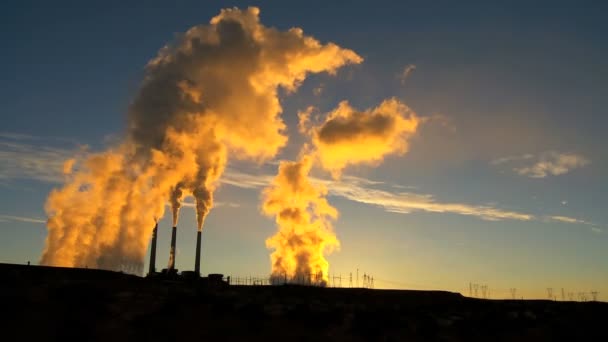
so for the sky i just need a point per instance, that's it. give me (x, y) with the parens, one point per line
(503, 184)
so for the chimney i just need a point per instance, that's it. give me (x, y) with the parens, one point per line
(153, 250)
(172, 252)
(197, 261)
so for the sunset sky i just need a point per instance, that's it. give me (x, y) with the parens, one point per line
(504, 181)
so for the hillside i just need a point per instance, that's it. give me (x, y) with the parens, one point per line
(45, 303)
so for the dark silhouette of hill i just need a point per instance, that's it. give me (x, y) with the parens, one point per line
(64, 304)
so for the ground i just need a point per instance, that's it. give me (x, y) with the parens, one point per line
(44, 303)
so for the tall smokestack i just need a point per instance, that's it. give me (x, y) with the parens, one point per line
(172, 252)
(197, 261)
(153, 250)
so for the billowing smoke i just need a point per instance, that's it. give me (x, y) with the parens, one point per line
(351, 137)
(176, 202)
(212, 91)
(303, 215)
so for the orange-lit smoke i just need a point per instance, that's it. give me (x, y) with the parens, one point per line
(303, 215)
(212, 91)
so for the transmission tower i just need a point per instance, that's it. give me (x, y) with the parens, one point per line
(563, 295)
(475, 288)
(594, 295)
(350, 280)
(550, 293)
(484, 288)
(513, 292)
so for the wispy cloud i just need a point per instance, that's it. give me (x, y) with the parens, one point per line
(5, 218)
(508, 159)
(549, 163)
(407, 202)
(366, 191)
(28, 157)
(567, 219)
(245, 180)
(406, 72)
(571, 220)
(218, 204)
(360, 190)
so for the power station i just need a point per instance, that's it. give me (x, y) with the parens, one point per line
(171, 272)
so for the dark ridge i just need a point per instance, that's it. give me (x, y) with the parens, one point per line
(54, 303)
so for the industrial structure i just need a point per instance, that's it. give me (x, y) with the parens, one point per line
(171, 272)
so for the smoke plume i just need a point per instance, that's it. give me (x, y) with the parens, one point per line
(208, 96)
(303, 215)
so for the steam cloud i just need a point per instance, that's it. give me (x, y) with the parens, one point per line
(303, 215)
(212, 91)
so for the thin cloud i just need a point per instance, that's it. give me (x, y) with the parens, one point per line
(406, 202)
(572, 220)
(245, 180)
(28, 157)
(549, 163)
(566, 219)
(362, 190)
(512, 158)
(5, 218)
(359, 190)
(406, 72)
(188, 204)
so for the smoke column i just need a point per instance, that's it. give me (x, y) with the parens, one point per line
(302, 213)
(211, 91)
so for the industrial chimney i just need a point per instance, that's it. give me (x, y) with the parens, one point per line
(197, 261)
(171, 266)
(152, 269)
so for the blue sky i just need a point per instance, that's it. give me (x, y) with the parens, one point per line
(521, 81)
